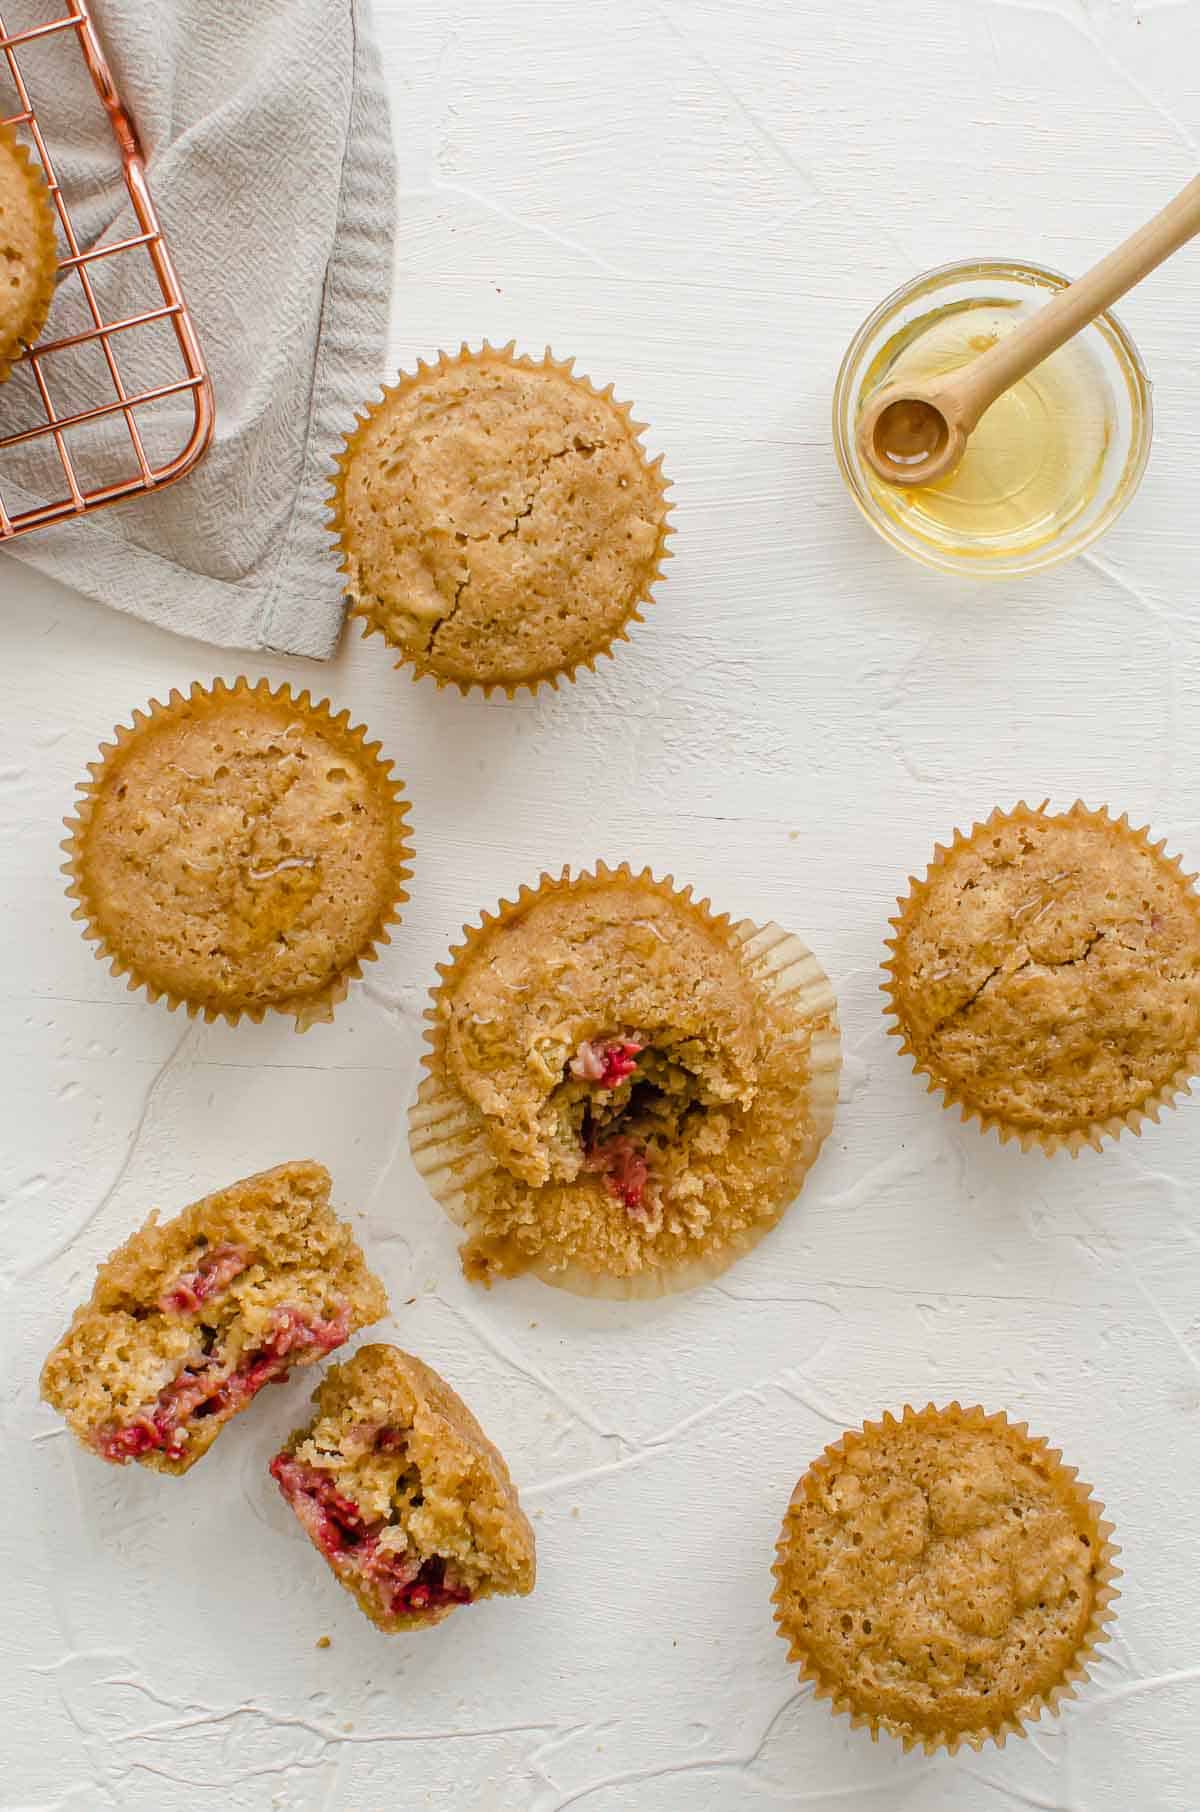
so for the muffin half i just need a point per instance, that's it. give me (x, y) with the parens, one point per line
(396, 1484)
(499, 521)
(943, 1577)
(1045, 976)
(191, 1317)
(624, 1091)
(239, 850)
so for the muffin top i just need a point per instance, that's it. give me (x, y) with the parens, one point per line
(637, 1097)
(1047, 971)
(940, 1573)
(280, 1223)
(499, 519)
(240, 850)
(27, 246)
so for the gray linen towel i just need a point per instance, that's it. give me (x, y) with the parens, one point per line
(269, 154)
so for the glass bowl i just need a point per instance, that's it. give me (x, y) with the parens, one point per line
(1065, 450)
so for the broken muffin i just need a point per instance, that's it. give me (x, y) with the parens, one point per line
(192, 1316)
(398, 1487)
(625, 1090)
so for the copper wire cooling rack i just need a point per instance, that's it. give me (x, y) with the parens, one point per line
(76, 34)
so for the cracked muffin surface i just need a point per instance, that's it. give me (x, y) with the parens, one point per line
(499, 519)
(941, 1575)
(191, 1317)
(1046, 973)
(240, 849)
(396, 1484)
(634, 1103)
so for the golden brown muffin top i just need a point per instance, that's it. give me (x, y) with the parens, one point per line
(499, 519)
(438, 1484)
(1047, 971)
(240, 850)
(27, 247)
(940, 1574)
(281, 1220)
(631, 1101)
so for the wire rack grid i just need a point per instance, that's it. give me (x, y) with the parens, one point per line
(74, 30)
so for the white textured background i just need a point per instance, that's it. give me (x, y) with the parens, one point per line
(700, 201)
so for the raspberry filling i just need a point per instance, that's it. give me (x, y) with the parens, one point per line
(623, 1166)
(606, 1062)
(403, 1585)
(429, 1590)
(199, 1393)
(215, 1272)
(332, 1521)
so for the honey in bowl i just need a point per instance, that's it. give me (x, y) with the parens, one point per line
(1046, 470)
(1033, 463)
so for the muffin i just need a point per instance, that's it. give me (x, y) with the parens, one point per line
(238, 850)
(943, 1577)
(624, 1091)
(192, 1316)
(28, 249)
(1045, 976)
(499, 521)
(395, 1483)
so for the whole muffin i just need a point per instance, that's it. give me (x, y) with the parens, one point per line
(943, 1577)
(27, 244)
(396, 1484)
(499, 521)
(238, 850)
(1045, 976)
(624, 1091)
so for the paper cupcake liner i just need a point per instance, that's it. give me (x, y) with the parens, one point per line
(1090, 1133)
(447, 1134)
(38, 305)
(1104, 1594)
(418, 667)
(309, 1009)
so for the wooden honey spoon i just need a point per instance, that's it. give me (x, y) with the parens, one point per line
(914, 433)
